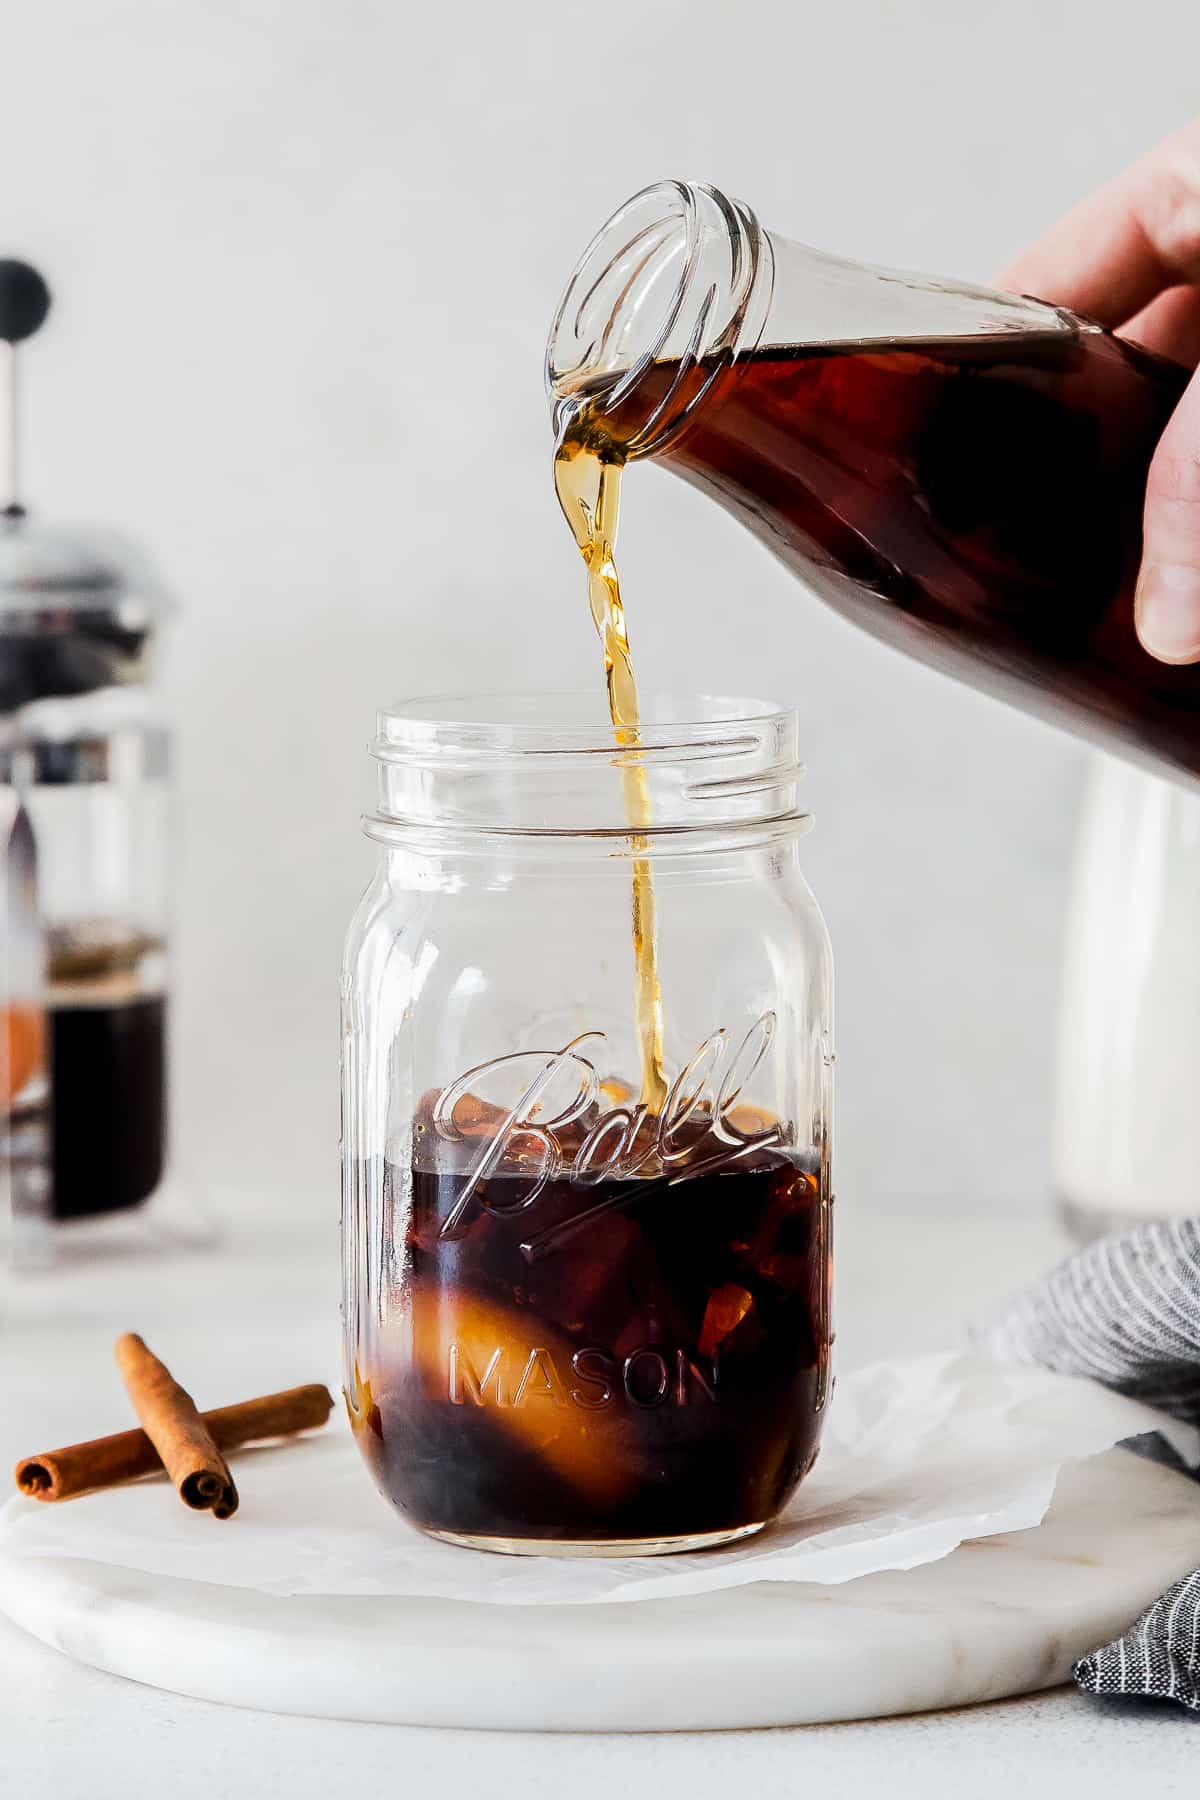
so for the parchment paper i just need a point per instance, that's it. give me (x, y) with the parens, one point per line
(918, 1456)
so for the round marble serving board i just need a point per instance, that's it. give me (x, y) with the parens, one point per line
(1001, 1615)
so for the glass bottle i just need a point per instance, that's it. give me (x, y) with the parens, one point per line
(1127, 1128)
(959, 471)
(571, 1325)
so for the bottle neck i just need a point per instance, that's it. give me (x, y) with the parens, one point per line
(829, 300)
(683, 283)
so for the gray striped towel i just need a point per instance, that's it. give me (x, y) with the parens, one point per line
(1127, 1313)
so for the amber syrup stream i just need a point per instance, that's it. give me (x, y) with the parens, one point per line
(587, 479)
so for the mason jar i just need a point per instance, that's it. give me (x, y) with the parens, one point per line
(584, 1315)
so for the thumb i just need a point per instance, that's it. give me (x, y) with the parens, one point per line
(1167, 602)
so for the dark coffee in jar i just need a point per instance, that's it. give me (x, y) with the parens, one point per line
(641, 1359)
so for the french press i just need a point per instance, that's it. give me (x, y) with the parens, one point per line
(84, 792)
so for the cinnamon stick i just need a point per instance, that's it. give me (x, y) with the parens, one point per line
(171, 1421)
(126, 1455)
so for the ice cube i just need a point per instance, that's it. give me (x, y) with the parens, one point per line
(727, 1307)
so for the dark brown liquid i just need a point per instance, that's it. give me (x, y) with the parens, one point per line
(658, 1369)
(108, 1111)
(975, 501)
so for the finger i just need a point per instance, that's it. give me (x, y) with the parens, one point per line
(1117, 249)
(1170, 325)
(1167, 604)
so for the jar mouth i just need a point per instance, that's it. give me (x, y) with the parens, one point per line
(547, 765)
(565, 722)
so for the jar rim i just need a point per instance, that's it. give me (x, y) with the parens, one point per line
(545, 765)
(563, 723)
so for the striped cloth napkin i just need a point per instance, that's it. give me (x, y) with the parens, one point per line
(1127, 1313)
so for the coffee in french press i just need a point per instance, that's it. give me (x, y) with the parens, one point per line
(635, 1360)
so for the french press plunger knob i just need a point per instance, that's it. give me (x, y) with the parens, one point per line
(24, 303)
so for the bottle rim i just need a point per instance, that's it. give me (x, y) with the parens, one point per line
(680, 273)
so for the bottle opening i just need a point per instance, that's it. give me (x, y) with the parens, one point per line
(680, 275)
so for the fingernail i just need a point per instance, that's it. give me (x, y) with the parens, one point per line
(1167, 609)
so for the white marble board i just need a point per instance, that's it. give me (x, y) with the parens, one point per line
(1003, 1615)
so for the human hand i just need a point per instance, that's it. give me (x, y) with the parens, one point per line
(1129, 256)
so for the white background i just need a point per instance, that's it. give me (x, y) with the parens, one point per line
(305, 253)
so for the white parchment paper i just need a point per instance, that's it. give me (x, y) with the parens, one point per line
(918, 1456)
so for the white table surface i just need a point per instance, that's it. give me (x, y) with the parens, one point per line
(261, 1312)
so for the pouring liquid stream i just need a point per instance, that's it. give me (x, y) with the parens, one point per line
(587, 480)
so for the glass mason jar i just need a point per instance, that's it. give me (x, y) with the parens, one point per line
(575, 1324)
